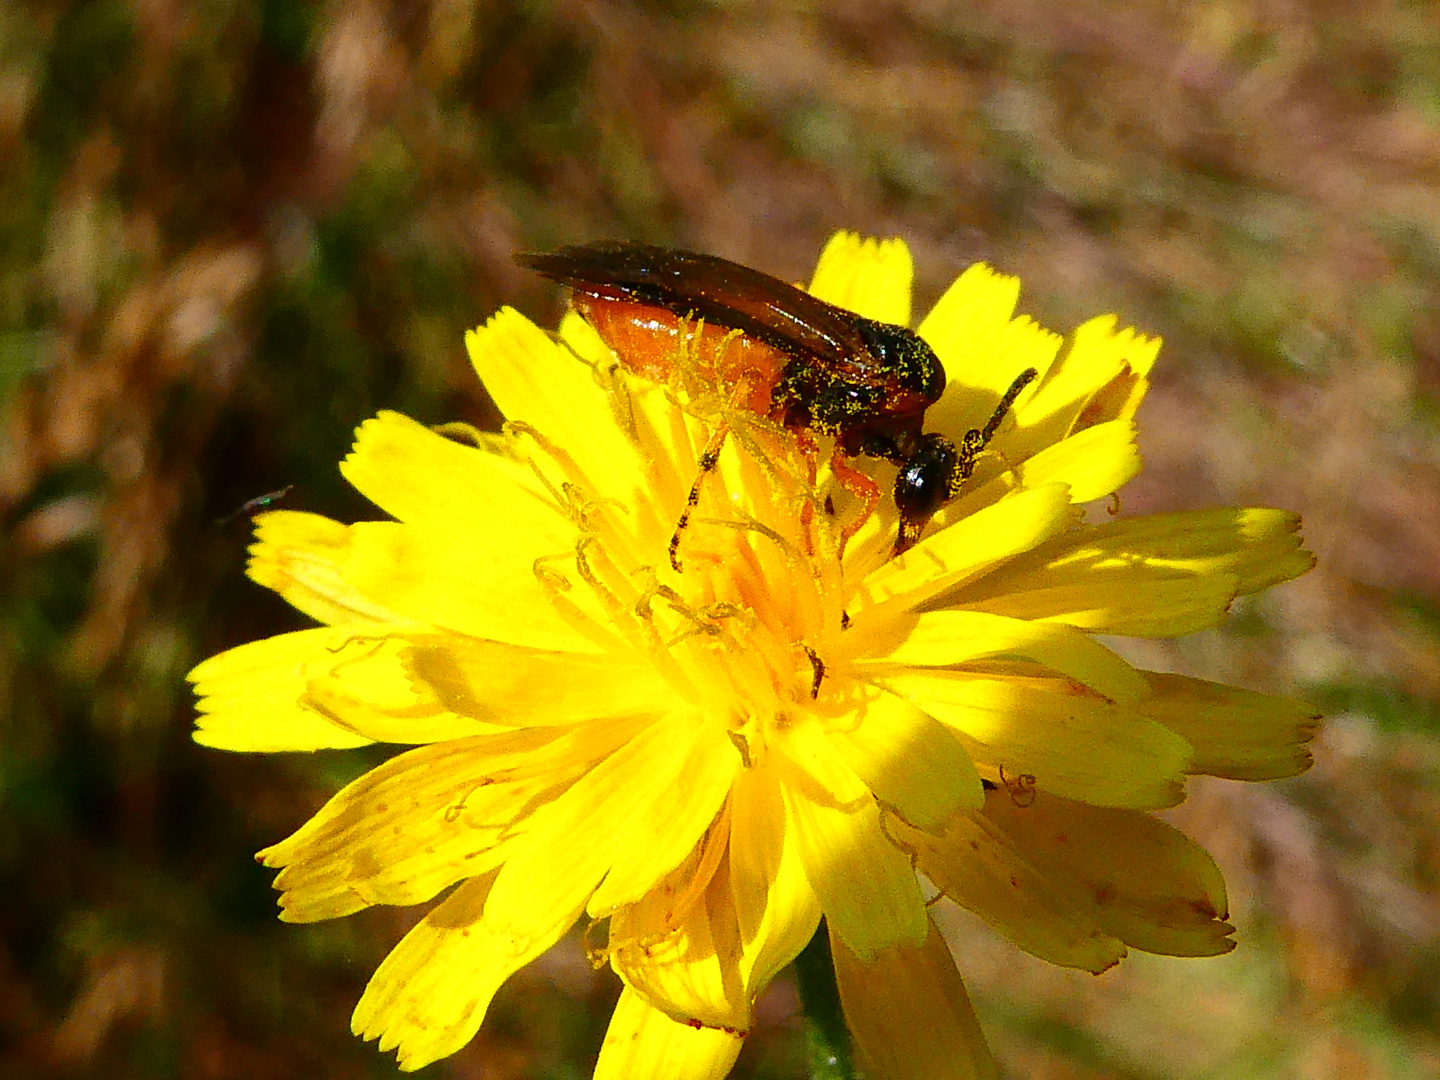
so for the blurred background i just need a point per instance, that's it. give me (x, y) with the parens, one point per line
(231, 231)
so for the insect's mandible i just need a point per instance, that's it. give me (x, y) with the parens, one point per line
(808, 365)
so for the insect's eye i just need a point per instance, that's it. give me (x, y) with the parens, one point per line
(927, 479)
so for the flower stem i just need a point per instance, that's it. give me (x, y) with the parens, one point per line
(827, 1039)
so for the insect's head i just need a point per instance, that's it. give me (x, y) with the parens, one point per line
(934, 468)
(930, 476)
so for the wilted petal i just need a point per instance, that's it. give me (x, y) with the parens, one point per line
(909, 1014)
(1151, 885)
(973, 862)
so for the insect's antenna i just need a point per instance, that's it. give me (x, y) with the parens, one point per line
(1024, 379)
(976, 439)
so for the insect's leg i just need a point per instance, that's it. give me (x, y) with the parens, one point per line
(709, 459)
(1024, 379)
(976, 439)
(858, 484)
(810, 451)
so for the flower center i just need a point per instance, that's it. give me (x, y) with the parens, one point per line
(741, 630)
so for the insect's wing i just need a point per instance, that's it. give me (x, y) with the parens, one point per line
(721, 292)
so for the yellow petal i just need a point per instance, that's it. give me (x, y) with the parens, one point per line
(662, 831)
(406, 576)
(1133, 603)
(1151, 885)
(300, 556)
(580, 336)
(776, 910)
(534, 379)
(423, 478)
(964, 550)
(912, 763)
(976, 864)
(1237, 734)
(1261, 547)
(809, 744)
(1093, 463)
(977, 307)
(1072, 743)
(983, 351)
(1098, 337)
(444, 579)
(511, 685)
(679, 947)
(643, 1043)
(869, 277)
(1101, 377)
(428, 818)
(949, 638)
(369, 688)
(909, 1014)
(972, 330)
(1160, 575)
(431, 993)
(593, 821)
(251, 695)
(868, 891)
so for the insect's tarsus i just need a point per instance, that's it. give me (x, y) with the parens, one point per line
(709, 459)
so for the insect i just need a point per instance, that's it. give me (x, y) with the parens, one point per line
(808, 365)
(260, 502)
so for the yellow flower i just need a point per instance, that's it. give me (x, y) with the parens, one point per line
(715, 758)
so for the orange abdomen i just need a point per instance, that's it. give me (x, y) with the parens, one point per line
(650, 340)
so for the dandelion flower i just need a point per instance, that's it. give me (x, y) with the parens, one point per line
(698, 766)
